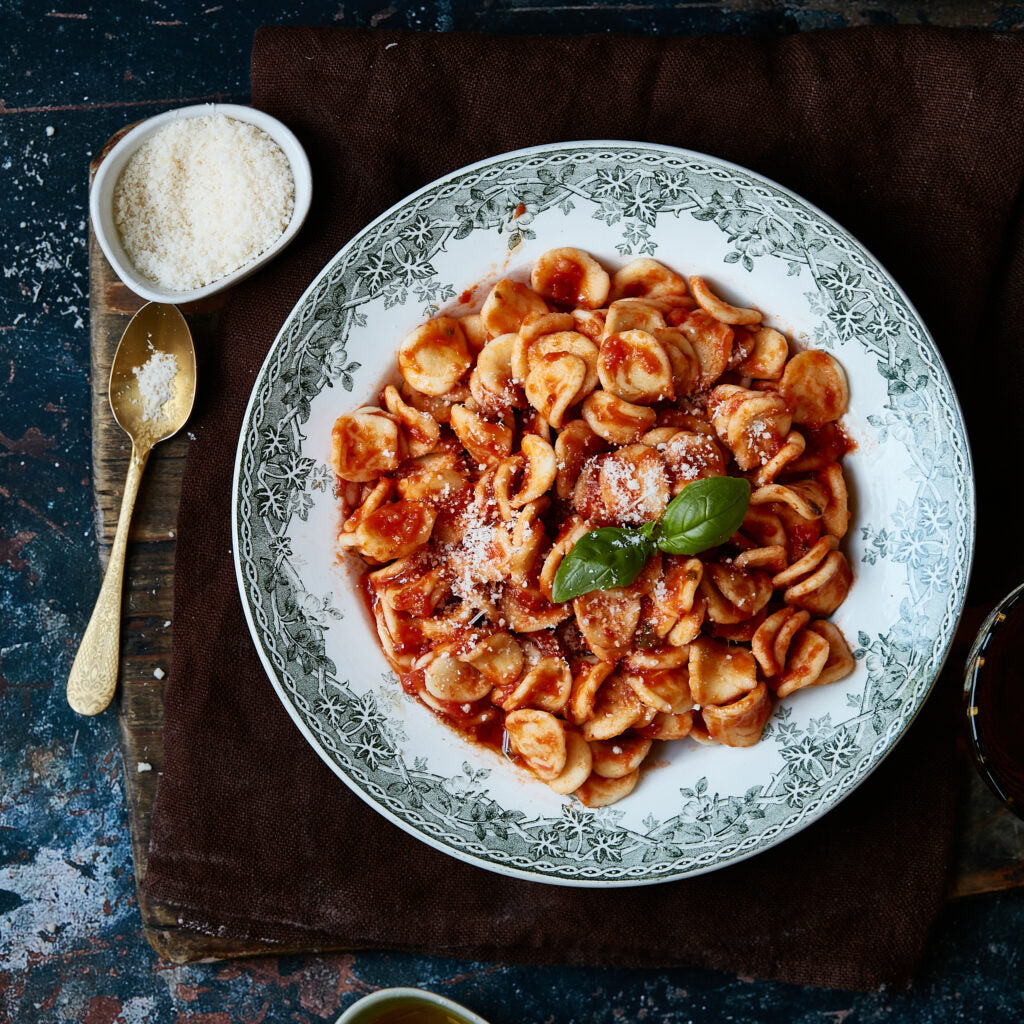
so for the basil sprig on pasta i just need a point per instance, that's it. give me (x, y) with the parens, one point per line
(611, 556)
(703, 515)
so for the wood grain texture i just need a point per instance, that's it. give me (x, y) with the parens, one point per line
(990, 841)
(148, 595)
(148, 585)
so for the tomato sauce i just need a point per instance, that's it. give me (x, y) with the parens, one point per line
(829, 443)
(742, 345)
(368, 594)
(401, 524)
(564, 284)
(415, 601)
(479, 721)
(529, 601)
(740, 632)
(617, 352)
(676, 317)
(412, 682)
(466, 553)
(489, 732)
(483, 723)
(801, 536)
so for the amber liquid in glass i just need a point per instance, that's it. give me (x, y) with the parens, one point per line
(995, 702)
(414, 1013)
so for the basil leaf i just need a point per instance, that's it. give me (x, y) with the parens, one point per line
(703, 515)
(603, 558)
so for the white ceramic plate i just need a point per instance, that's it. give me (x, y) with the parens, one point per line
(910, 541)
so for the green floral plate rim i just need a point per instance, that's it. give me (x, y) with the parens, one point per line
(911, 538)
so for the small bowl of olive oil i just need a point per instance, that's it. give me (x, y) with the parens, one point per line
(407, 1006)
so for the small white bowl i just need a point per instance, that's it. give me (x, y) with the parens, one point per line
(367, 1009)
(101, 198)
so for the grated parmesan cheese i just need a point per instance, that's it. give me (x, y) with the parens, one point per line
(201, 198)
(155, 379)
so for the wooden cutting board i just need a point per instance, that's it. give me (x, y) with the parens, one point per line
(990, 840)
(148, 587)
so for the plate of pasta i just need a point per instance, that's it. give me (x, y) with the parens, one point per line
(603, 514)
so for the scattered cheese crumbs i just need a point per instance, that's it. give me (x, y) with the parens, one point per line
(167, 623)
(155, 379)
(143, 766)
(50, 131)
(158, 673)
(631, 492)
(201, 198)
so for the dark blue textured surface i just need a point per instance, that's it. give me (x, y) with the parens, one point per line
(70, 938)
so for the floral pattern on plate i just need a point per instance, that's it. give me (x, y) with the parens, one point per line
(910, 543)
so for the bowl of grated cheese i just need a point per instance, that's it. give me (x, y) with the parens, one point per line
(192, 201)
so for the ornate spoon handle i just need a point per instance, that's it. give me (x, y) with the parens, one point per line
(93, 677)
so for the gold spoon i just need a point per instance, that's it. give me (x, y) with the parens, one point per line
(156, 328)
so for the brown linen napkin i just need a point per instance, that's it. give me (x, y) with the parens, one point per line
(911, 138)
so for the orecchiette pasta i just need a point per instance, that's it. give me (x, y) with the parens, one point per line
(581, 399)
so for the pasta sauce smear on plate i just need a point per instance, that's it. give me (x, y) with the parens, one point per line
(584, 405)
